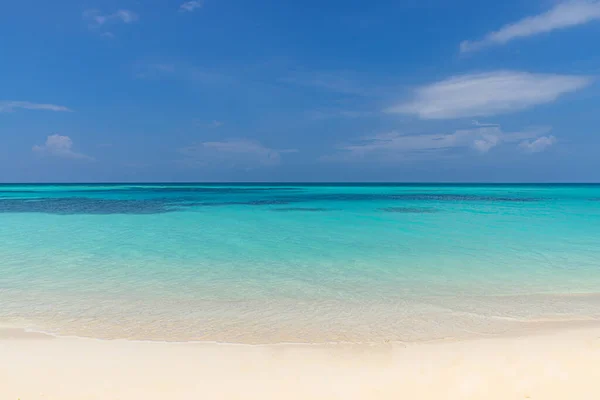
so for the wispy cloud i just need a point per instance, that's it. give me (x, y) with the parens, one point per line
(214, 124)
(96, 19)
(153, 71)
(342, 82)
(233, 152)
(485, 94)
(10, 106)
(190, 6)
(395, 146)
(350, 114)
(478, 123)
(538, 145)
(180, 72)
(60, 146)
(563, 15)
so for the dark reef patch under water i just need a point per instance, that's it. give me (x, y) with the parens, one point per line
(158, 200)
(81, 205)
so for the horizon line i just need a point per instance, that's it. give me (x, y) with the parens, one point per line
(303, 183)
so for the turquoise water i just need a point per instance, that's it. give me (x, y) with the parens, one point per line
(300, 263)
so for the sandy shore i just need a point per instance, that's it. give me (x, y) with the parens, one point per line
(559, 365)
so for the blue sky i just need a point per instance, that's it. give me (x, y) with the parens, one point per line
(229, 90)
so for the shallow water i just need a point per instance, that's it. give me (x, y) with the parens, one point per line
(301, 263)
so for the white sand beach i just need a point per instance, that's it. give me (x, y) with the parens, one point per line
(545, 365)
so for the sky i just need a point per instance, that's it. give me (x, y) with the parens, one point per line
(288, 91)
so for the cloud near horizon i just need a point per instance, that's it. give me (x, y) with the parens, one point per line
(60, 146)
(487, 94)
(538, 145)
(11, 106)
(233, 152)
(563, 15)
(395, 146)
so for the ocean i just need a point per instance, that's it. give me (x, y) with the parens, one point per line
(305, 263)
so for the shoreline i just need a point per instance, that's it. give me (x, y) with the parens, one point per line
(540, 365)
(540, 326)
(403, 321)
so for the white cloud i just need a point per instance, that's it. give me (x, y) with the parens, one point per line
(10, 106)
(563, 15)
(60, 146)
(538, 145)
(485, 94)
(126, 16)
(235, 152)
(477, 123)
(394, 146)
(190, 6)
(97, 19)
